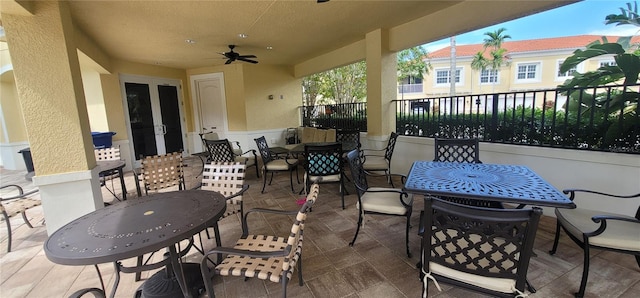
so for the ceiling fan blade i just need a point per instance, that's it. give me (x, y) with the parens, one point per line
(247, 56)
(228, 61)
(247, 60)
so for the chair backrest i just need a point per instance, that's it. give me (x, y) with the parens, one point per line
(388, 153)
(485, 242)
(163, 171)
(323, 160)
(457, 150)
(110, 153)
(348, 136)
(227, 178)
(263, 148)
(358, 174)
(294, 242)
(219, 150)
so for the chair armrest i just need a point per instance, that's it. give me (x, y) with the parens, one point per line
(244, 188)
(21, 193)
(602, 219)
(245, 226)
(572, 193)
(247, 253)
(136, 177)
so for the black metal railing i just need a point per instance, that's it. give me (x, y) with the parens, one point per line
(602, 119)
(339, 116)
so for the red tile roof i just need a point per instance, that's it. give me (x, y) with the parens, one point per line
(531, 45)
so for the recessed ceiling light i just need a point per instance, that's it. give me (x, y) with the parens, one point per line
(191, 41)
(242, 35)
(269, 48)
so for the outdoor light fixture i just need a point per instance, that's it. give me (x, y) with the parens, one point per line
(322, 1)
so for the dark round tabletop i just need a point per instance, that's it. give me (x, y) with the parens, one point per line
(134, 227)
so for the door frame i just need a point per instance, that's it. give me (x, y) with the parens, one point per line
(153, 82)
(197, 110)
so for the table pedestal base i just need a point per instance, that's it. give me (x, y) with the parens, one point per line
(161, 284)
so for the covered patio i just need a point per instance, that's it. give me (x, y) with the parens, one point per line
(71, 61)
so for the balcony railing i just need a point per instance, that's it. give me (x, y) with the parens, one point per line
(340, 116)
(600, 119)
(410, 88)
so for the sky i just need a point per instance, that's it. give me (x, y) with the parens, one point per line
(586, 17)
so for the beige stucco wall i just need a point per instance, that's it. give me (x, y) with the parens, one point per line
(282, 110)
(11, 112)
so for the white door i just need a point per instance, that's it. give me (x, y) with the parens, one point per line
(209, 103)
(155, 119)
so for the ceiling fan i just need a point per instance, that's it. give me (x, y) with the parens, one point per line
(233, 56)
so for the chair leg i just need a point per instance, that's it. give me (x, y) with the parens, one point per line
(300, 280)
(216, 230)
(556, 239)
(284, 287)
(638, 260)
(264, 182)
(407, 233)
(389, 178)
(585, 269)
(26, 220)
(6, 219)
(357, 229)
(291, 181)
(206, 277)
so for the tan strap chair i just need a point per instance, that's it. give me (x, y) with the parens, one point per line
(16, 202)
(266, 257)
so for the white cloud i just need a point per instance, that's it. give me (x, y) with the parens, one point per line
(617, 31)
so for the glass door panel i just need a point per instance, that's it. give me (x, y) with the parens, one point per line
(141, 119)
(170, 110)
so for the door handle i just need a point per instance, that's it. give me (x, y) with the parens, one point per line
(164, 129)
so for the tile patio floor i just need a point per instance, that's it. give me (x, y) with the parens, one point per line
(376, 266)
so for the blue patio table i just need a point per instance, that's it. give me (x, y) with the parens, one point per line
(515, 184)
(133, 228)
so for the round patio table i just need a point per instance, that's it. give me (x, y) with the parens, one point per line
(132, 228)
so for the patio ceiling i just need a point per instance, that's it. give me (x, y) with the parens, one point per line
(154, 32)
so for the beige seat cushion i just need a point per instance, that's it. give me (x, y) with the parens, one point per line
(331, 135)
(492, 283)
(385, 202)
(319, 136)
(328, 178)
(247, 160)
(619, 234)
(375, 163)
(308, 134)
(281, 164)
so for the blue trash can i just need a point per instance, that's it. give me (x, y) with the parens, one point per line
(102, 139)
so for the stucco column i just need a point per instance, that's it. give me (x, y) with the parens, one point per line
(381, 85)
(49, 84)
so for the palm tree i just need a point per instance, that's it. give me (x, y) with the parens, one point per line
(497, 55)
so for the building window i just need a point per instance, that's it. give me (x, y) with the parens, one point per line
(443, 76)
(567, 74)
(528, 72)
(607, 63)
(489, 76)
